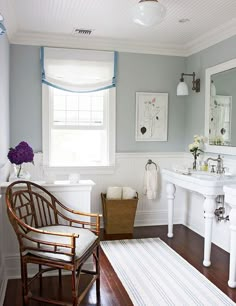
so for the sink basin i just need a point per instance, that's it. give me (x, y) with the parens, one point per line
(203, 182)
(212, 176)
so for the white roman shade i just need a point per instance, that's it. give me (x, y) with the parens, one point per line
(78, 70)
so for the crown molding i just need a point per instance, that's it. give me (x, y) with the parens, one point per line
(56, 40)
(206, 40)
(211, 38)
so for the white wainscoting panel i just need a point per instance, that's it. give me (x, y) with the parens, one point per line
(129, 171)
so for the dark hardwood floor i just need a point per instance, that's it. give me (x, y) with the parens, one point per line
(185, 242)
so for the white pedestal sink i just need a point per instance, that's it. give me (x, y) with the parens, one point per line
(210, 186)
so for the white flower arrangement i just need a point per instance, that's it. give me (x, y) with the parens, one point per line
(198, 145)
(196, 148)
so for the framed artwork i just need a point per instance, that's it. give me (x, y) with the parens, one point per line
(151, 116)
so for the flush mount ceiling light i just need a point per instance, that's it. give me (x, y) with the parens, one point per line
(182, 88)
(148, 12)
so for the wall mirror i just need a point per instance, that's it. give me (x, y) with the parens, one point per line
(220, 108)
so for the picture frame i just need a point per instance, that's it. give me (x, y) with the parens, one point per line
(151, 116)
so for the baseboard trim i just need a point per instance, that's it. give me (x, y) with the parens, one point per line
(3, 289)
(3, 283)
(157, 217)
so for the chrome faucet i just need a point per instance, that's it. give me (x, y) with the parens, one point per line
(219, 165)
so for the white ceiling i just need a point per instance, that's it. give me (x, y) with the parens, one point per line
(51, 22)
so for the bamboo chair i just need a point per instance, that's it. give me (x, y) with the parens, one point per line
(49, 237)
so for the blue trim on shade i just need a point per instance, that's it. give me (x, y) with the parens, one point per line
(77, 91)
(44, 81)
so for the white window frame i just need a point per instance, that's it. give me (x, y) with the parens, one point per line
(111, 123)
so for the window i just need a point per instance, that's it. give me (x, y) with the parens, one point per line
(78, 127)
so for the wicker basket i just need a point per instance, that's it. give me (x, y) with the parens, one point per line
(119, 215)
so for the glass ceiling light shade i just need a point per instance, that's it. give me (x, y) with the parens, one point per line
(148, 12)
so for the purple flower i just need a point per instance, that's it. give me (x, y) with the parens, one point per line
(22, 153)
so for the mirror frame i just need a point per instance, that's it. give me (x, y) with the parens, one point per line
(209, 72)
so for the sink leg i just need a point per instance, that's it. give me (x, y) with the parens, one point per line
(170, 190)
(232, 264)
(209, 209)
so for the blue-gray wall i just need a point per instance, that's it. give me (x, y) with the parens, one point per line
(199, 62)
(4, 132)
(25, 96)
(148, 73)
(4, 99)
(136, 72)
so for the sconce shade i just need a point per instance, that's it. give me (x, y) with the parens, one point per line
(213, 89)
(182, 89)
(148, 12)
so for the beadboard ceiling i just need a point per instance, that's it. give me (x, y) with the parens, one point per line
(51, 22)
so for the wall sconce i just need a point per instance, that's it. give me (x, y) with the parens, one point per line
(2, 28)
(182, 88)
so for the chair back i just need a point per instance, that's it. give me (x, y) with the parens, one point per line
(30, 205)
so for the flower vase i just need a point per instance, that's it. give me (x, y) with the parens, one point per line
(19, 173)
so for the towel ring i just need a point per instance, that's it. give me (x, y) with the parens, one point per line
(149, 162)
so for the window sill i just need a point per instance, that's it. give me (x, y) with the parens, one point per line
(80, 170)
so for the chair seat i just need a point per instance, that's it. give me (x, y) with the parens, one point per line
(83, 242)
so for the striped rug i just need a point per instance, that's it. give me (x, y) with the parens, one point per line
(153, 274)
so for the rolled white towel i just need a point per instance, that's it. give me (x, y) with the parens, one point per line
(128, 193)
(114, 193)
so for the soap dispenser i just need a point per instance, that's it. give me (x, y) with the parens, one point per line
(204, 166)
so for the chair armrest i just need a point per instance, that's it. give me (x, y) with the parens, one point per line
(70, 235)
(78, 212)
(95, 226)
(92, 226)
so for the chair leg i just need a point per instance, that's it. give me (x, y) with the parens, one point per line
(40, 280)
(24, 279)
(74, 289)
(59, 272)
(98, 273)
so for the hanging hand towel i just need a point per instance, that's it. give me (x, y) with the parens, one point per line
(150, 184)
